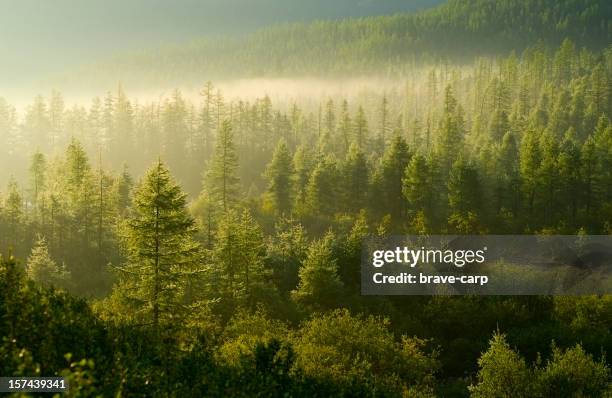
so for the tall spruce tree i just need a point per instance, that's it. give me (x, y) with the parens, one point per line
(42, 269)
(320, 285)
(162, 254)
(222, 181)
(278, 174)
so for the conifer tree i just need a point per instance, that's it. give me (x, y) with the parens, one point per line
(42, 269)
(569, 178)
(464, 198)
(279, 174)
(530, 158)
(416, 187)
(37, 177)
(239, 274)
(360, 130)
(392, 168)
(302, 166)
(322, 188)
(14, 218)
(450, 134)
(355, 180)
(320, 283)
(123, 193)
(344, 127)
(162, 255)
(589, 180)
(503, 373)
(221, 179)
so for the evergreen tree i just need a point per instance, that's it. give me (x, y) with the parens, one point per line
(360, 130)
(42, 269)
(320, 285)
(344, 128)
(569, 179)
(450, 134)
(14, 219)
(503, 373)
(239, 275)
(464, 198)
(162, 255)
(507, 190)
(37, 177)
(392, 168)
(279, 173)
(530, 158)
(123, 193)
(322, 188)
(302, 166)
(355, 180)
(416, 189)
(222, 182)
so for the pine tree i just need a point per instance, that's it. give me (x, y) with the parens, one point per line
(239, 274)
(286, 250)
(384, 122)
(278, 174)
(450, 134)
(589, 180)
(37, 177)
(464, 198)
(344, 128)
(81, 194)
(322, 188)
(530, 158)
(355, 180)
(360, 130)
(548, 179)
(392, 169)
(507, 190)
(221, 179)
(42, 269)
(14, 218)
(123, 192)
(416, 188)
(569, 179)
(502, 373)
(302, 166)
(162, 255)
(320, 284)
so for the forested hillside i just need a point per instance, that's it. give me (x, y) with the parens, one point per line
(211, 245)
(456, 31)
(280, 198)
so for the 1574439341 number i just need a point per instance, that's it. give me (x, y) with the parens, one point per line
(33, 384)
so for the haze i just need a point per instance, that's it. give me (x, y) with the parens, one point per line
(41, 38)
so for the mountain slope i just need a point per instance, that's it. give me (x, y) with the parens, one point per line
(457, 30)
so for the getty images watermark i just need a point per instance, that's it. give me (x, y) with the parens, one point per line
(487, 265)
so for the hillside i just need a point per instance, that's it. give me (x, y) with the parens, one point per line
(456, 30)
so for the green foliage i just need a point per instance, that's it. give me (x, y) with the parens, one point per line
(456, 30)
(346, 348)
(568, 373)
(248, 305)
(221, 179)
(503, 373)
(279, 173)
(163, 259)
(573, 373)
(42, 269)
(320, 285)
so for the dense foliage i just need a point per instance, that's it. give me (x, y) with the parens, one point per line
(211, 246)
(456, 30)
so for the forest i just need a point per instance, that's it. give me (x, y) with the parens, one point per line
(211, 245)
(390, 45)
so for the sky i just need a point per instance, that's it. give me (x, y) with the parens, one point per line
(44, 37)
